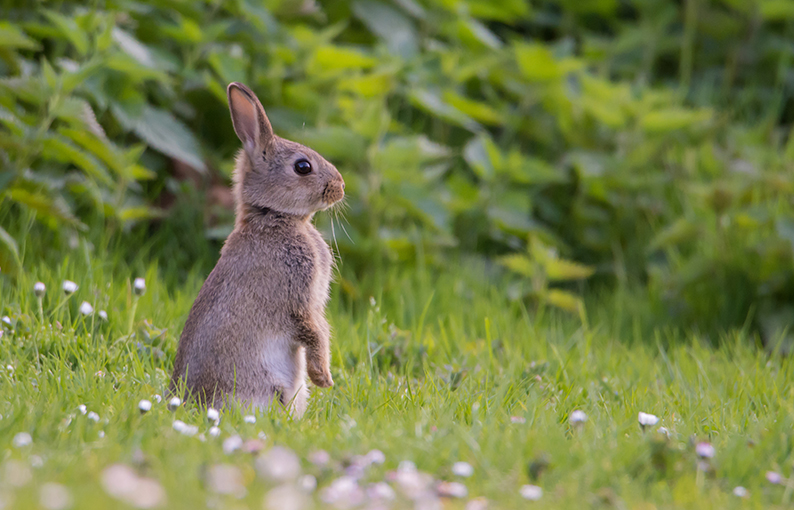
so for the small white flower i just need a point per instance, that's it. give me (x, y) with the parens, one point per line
(174, 403)
(647, 420)
(101, 434)
(320, 458)
(232, 444)
(93, 417)
(518, 419)
(381, 491)
(55, 497)
(213, 415)
(250, 419)
(39, 289)
(22, 439)
(215, 432)
(578, 417)
(406, 466)
(375, 457)
(184, 428)
(531, 492)
(82, 409)
(69, 287)
(103, 315)
(157, 398)
(664, 431)
(145, 406)
(7, 320)
(740, 492)
(773, 477)
(307, 483)
(704, 450)
(463, 469)
(86, 308)
(452, 490)
(139, 286)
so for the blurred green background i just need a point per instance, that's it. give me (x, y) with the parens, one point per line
(584, 149)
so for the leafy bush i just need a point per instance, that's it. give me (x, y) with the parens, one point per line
(604, 130)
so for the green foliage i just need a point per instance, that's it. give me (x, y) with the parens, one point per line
(647, 140)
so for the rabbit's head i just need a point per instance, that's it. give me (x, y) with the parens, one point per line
(279, 174)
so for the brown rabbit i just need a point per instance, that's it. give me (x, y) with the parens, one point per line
(258, 323)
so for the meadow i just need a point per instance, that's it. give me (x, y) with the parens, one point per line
(564, 261)
(440, 369)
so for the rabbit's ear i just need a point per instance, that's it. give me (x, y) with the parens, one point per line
(248, 117)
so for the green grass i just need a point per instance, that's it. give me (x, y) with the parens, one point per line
(442, 368)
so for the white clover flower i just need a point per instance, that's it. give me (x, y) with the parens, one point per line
(39, 289)
(531, 492)
(250, 419)
(69, 287)
(577, 417)
(22, 439)
(103, 315)
(82, 409)
(139, 286)
(647, 420)
(232, 444)
(145, 406)
(773, 477)
(704, 450)
(213, 415)
(93, 417)
(86, 308)
(375, 457)
(740, 492)
(452, 490)
(214, 432)
(463, 469)
(174, 403)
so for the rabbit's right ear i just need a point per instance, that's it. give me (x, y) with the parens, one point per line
(248, 117)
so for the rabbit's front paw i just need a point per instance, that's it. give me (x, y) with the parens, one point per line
(321, 378)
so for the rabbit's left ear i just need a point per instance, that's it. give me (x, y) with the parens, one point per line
(249, 119)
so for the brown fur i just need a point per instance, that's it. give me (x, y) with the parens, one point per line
(258, 324)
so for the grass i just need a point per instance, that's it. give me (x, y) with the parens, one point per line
(440, 368)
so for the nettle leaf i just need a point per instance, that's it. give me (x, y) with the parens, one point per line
(396, 29)
(337, 58)
(164, 133)
(53, 209)
(563, 270)
(432, 103)
(563, 300)
(11, 36)
(334, 142)
(518, 263)
(477, 110)
(673, 119)
(11, 245)
(70, 30)
(536, 62)
(63, 150)
(99, 147)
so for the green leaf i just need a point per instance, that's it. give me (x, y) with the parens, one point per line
(63, 150)
(432, 103)
(69, 29)
(482, 155)
(537, 63)
(680, 231)
(518, 263)
(12, 36)
(164, 133)
(673, 119)
(477, 110)
(563, 300)
(53, 209)
(563, 270)
(10, 244)
(777, 10)
(334, 142)
(396, 29)
(336, 58)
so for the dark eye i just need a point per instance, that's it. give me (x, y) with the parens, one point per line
(303, 167)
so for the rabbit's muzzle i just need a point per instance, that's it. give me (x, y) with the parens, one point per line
(334, 192)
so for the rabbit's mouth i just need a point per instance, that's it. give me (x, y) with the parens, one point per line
(333, 193)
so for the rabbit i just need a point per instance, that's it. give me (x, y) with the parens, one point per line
(258, 324)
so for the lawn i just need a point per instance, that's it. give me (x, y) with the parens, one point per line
(440, 369)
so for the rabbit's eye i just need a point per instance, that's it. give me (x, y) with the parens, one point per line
(303, 167)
